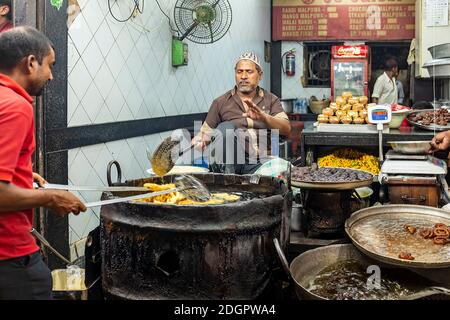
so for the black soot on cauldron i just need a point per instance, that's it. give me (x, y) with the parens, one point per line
(222, 251)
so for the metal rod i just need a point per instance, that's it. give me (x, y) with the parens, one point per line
(48, 245)
(137, 197)
(88, 188)
(380, 144)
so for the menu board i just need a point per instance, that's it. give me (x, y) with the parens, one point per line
(343, 20)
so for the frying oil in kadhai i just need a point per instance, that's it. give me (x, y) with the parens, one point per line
(347, 280)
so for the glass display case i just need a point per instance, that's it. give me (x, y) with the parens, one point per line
(349, 70)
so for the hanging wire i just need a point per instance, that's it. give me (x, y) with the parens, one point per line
(137, 7)
(168, 18)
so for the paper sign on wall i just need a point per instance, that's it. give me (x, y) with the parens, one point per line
(436, 13)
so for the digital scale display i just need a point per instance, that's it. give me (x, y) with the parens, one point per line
(380, 115)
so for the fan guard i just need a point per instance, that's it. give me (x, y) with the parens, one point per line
(203, 21)
(319, 65)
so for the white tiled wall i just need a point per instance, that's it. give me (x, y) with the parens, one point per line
(292, 86)
(122, 71)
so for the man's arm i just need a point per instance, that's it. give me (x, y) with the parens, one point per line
(15, 126)
(277, 123)
(203, 137)
(377, 88)
(272, 122)
(13, 198)
(401, 92)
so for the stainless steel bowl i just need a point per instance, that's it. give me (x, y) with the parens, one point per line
(441, 51)
(410, 147)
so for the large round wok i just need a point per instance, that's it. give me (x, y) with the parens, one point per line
(379, 233)
(308, 264)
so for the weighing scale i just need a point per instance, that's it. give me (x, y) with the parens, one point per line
(414, 179)
(380, 115)
(418, 164)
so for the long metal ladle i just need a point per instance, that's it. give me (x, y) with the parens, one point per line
(164, 157)
(192, 188)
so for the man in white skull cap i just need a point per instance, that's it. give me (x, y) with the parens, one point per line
(245, 118)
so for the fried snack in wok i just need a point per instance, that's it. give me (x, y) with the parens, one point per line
(427, 233)
(410, 229)
(440, 234)
(179, 199)
(406, 256)
(440, 240)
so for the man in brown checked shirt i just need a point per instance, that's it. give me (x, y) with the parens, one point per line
(244, 119)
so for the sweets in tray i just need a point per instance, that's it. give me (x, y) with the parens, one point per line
(350, 158)
(346, 110)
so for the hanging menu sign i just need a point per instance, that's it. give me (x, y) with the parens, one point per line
(343, 20)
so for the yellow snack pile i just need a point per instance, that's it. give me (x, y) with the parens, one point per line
(180, 199)
(349, 158)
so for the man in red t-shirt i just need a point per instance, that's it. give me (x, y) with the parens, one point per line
(27, 58)
(5, 15)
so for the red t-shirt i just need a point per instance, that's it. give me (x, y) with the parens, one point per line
(6, 26)
(17, 145)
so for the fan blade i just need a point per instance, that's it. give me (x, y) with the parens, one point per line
(215, 4)
(189, 30)
(183, 8)
(210, 30)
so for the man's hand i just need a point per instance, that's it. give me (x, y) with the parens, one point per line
(198, 142)
(41, 181)
(440, 142)
(63, 203)
(254, 112)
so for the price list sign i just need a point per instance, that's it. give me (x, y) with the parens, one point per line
(343, 19)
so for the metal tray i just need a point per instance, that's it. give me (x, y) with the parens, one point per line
(379, 233)
(431, 127)
(332, 185)
(335, 185)
(411, 147)
(440, 51)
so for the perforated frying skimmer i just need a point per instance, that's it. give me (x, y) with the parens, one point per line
(165, 156)
(192, 188)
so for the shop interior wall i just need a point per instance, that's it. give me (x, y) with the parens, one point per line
(292, 87)
(122, 71)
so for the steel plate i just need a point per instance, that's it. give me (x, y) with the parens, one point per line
(431, 127)
(411, 147)
(335, 185)
(332, 185)
(379, 232)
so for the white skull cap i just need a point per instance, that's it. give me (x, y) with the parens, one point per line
(250, 56)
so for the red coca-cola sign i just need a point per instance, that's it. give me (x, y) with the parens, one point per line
(350, 51)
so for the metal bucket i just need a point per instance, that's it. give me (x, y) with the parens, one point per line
(440, 51)
(288, 105)
(69, 285)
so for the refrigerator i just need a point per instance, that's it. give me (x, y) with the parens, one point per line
(349, 70)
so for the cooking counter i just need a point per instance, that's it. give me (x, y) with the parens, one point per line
(311, 138)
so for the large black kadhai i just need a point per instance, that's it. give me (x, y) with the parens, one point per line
(222, 251)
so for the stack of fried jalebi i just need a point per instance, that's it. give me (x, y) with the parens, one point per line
(440, 233)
